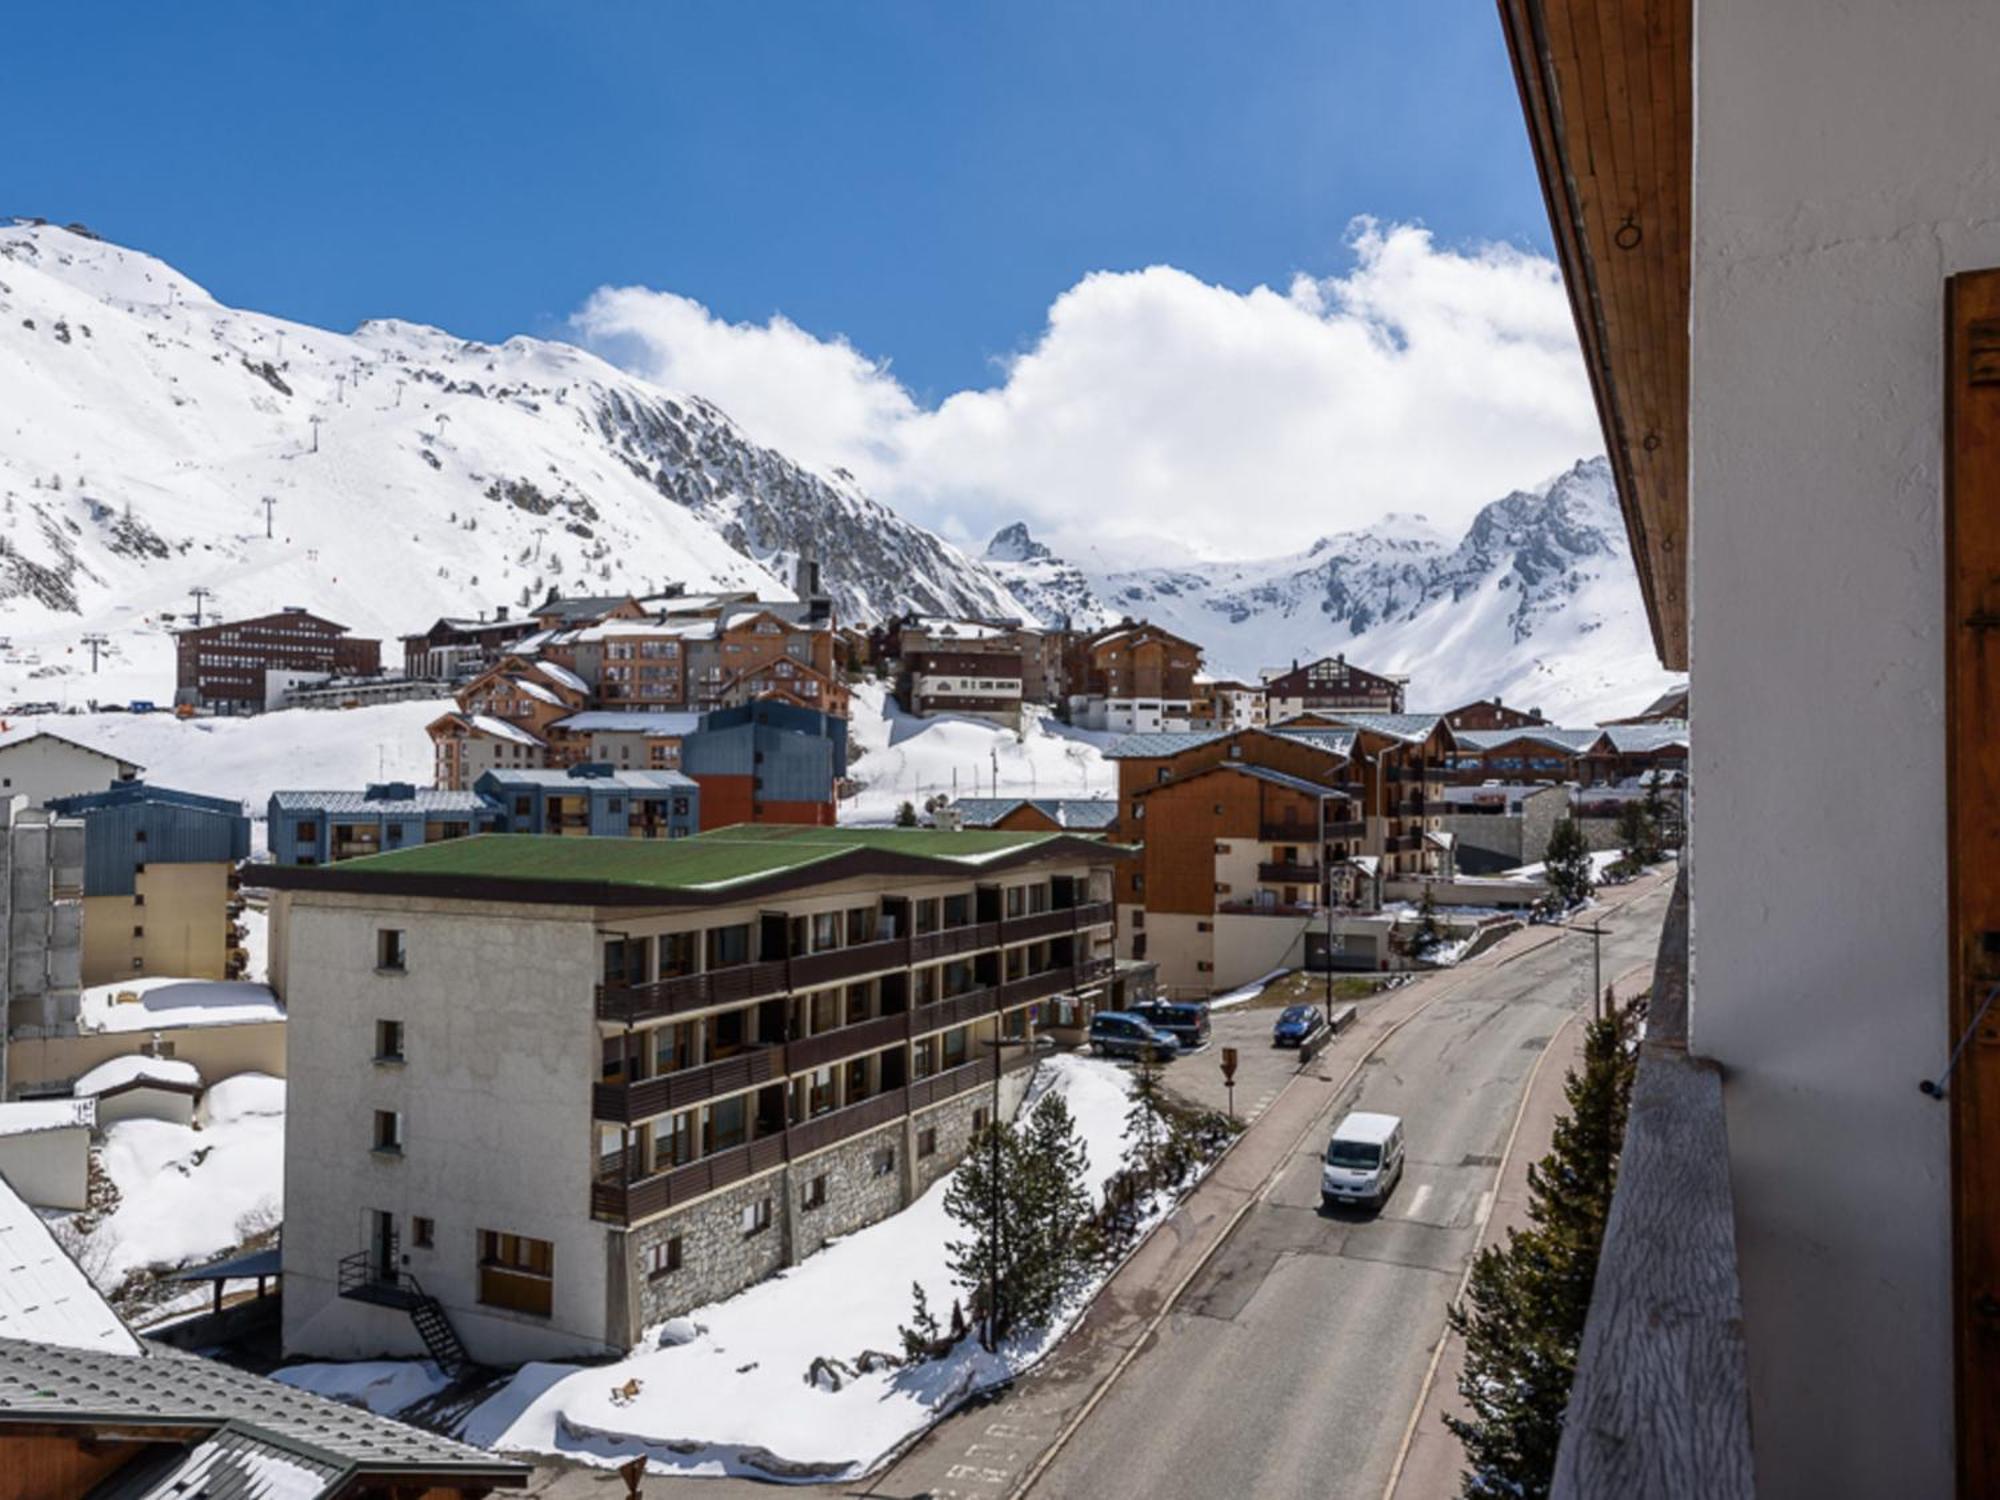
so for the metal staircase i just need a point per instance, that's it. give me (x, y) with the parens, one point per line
(364, 1280)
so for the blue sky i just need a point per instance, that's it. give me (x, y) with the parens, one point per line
(923, 180)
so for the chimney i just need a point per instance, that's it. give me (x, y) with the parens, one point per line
(498, 614)
(1498, 701)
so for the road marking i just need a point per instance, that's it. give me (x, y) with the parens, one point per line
(1416, 1203)
(1486, 1202)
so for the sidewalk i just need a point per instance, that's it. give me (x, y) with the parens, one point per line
(1434, 1459)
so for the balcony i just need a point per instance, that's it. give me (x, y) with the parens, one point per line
(939, 1015)
(837, 964)
(685, 1087)
(1266, 909)
(951, 941)
(829, 1047)
(362, 1280)
(1056, 923)
(1307, 834)
(1661, 1403)
(1284, 872)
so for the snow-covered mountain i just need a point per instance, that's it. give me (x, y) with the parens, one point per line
(1537, 601)
(144, 426)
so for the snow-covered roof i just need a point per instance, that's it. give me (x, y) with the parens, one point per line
(563, 781)
(116, 1072)
(500, 729)
(33, 1116)
(653, 629)
(22, 737)
(161, 1002)
(1573, 741)
(1640, 739)
(1334, 741)
(562, 676)
(629, 721)
(1410, 728)
(420, 800)
(1065, 812)
(1163, 743)
(536, 690)
(44, 1295)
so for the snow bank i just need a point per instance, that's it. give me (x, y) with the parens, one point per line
(165, 1002)
(723, 1390)
(1248, 992)
(186, 1194)
(907, 759)
(114, 1071)
(1600, 861)
(383, 1386)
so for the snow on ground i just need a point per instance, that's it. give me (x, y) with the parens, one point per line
(250, 758)
(256, 923)
(1600, 861)
(383, 1386)
(723, 1390)
(187, 1194)
(1246, 993)
(907, 759)
(165, 1002)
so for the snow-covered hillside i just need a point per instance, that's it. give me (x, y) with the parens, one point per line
(1537, 602)
(143, 426)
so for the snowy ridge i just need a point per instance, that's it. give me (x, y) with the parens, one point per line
(411, 473)
(1538, 602)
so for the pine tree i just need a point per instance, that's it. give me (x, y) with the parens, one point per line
(1638, 838)
(977, 1202)
(1566, 866)
(906, 815)
(1523, 1312)
(1052, 1210)
(1146, 1122)
(1430, 932)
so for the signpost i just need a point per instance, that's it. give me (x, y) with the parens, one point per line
(1229, 1077)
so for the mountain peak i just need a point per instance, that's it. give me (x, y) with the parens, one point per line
(1015, 544)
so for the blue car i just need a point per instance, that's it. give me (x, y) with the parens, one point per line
(1298, 1026)
(1117, 1033)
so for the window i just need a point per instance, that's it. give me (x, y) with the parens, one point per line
(139, 837)
(816, 1192)
(1138, 919)
(423, 1232)
(138, 898)
(979, 1119)
(883, 1162)
(516, 1272)
(1204, 927)
(388, 1041)
(756, 1217)
(663, 1257)
(390, 950)
(138, 932)
(927, 1142)
(389, 1132)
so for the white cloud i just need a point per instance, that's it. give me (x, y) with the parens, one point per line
(1155, 405)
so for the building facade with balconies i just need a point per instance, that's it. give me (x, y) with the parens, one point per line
(568, 1089)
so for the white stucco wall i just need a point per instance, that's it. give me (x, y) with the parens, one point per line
(42, 766)
(48, 1168)
(501, 1050)
(1843, 168)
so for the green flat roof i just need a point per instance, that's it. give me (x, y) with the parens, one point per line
(726, 857)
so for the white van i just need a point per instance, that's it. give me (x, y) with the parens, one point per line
(1364, 1160)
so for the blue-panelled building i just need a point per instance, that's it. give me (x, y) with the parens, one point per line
(318, 828)
(134, 824)
(159, 882)
(767, 762)
(596, 800)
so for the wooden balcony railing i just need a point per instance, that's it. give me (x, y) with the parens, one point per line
(1660, 1405)
(957, 1011)
(625, 1202)
(629, 1102)
(1279, 871)
(848, 963)
(953, 941)
(831, 1047)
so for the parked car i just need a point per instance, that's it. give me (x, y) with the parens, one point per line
(1117, 1033)
(1298, 1026)
(1186, 1021)
(1364, 1160)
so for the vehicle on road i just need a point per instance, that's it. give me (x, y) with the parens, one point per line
(1298, 1026)
(1118, 1033)
(1364, 1161)
(1186, 1021)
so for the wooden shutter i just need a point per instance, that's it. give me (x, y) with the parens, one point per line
(1972, 681)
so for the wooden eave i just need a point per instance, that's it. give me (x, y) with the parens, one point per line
(1606, 88)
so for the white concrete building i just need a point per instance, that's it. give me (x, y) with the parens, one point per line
(1780, 225)
(45, 1150)
(39, 765)
(562, 1093)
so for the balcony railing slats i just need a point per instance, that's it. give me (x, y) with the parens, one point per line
(1660, 1405)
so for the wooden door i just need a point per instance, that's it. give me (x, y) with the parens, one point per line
(1972, 682)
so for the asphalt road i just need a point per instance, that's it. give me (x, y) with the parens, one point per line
(1293, 1362)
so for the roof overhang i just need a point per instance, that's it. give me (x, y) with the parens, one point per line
(1606, 86)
